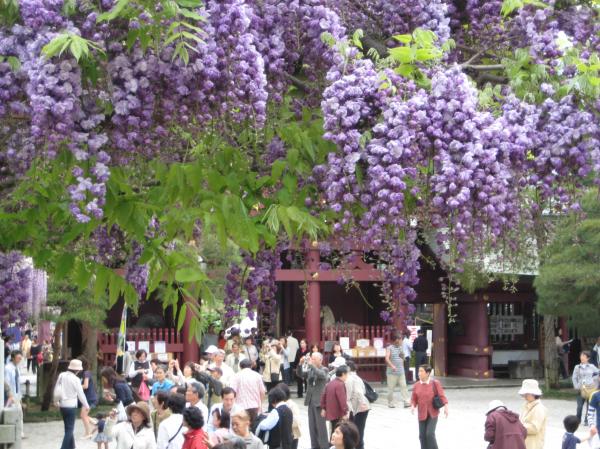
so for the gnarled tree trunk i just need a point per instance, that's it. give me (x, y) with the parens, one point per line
(56, 350)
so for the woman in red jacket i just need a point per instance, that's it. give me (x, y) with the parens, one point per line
(422, 399)
(195, 437)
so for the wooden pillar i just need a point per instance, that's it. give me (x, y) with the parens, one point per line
(313, 309)
(191, 350)
(440, 339)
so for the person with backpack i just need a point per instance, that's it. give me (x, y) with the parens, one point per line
(503, 430)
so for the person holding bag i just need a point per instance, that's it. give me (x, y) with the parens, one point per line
(585, 379)
(67, 391)
(272, 359)
(428, 398)
(533, 414)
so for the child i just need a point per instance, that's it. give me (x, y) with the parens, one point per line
(570, 441)
(101, 438)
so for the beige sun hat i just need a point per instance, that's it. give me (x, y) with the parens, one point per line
(530, 386)
(75, 365)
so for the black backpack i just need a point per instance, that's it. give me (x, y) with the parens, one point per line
(370, 394)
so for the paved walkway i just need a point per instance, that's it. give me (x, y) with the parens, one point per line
(386, 428)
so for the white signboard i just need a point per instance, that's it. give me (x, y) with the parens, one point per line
(160, 347)
(131, 346)
(345, 343)
(145, 345)
(506, 324)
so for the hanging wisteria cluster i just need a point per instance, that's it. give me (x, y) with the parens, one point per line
(417, 158)
(15, 289)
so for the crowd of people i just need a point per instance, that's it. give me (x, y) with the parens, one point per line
(238, 396)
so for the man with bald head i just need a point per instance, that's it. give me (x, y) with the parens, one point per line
(316, 376)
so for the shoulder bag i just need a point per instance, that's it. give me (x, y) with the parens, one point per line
(370, 394)
(437, 401)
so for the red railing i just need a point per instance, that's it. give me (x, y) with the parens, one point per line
(173, 341)
(356, 332)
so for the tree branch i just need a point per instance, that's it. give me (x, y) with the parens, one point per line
(482, 67)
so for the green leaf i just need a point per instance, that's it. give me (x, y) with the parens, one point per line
(403, 38)
(77, 48)
(356, 38)
(101, 282)
(56, 45)
(182, 315)
(190, 274)
(14, 63)
(191, 15)
(64, 264)
(277, 170)
(82, 276)
(113, 13)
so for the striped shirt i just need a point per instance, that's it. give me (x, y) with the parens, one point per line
(249, 388)
(397, 359)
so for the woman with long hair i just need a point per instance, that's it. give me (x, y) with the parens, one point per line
(272, 358)
(111, 380)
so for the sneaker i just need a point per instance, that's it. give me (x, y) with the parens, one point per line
(391, 405)
(407, 404)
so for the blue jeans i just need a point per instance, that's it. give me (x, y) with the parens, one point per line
(68, 415)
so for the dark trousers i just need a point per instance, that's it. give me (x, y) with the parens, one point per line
(333, 423)
(580, 403)
(427, 433)
(407, 368)
(420, 359)
(360, 420)
(29, 361)
(68, 415)
(301, 386)
(34, 365)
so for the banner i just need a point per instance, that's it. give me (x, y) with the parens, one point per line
(121, 341)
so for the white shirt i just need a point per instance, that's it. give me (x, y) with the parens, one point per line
(211, 426)
(293, 346)
(227, 373)
(127, 439)
(203, 409)
(68, 389)
(10, 377)
(406, 347)
(168, 429)
(230, 361)
(132, 372)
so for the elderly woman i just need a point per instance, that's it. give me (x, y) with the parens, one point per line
(585, 379)
(195, 437)
(533, 414)
(136, 432)
(423, 394)
(271, 357)
(345, 436)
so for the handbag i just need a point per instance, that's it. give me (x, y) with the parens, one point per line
(58, 389)
(370, 394)
(586, 391)
(437, 401)
(144, 392)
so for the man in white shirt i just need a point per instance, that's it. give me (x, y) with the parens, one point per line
(250, 389)
(170, 431)
(193, 395)
(228, 404)
(233, 360)
(218, 362)
(11, 377)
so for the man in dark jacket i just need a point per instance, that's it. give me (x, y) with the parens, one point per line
(503, 430)
(316, 376)
(334, 402)
(420, 346)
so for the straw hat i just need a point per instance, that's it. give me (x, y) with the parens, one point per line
(142, 407)
(530, 386)
(75, 365)
(494, 405)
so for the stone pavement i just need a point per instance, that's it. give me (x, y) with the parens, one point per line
(386, 428)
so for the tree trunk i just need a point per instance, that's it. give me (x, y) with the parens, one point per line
(56, 350)
(90, 345)
(550, 355)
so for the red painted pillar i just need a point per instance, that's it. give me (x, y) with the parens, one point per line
(401, 313)
(313, 309)
(191, 350)
(440, 339)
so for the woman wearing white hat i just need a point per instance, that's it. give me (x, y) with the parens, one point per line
(533, 415)
(66, 392)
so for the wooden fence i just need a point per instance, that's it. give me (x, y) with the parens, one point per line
(356, 332)
(173, 342)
